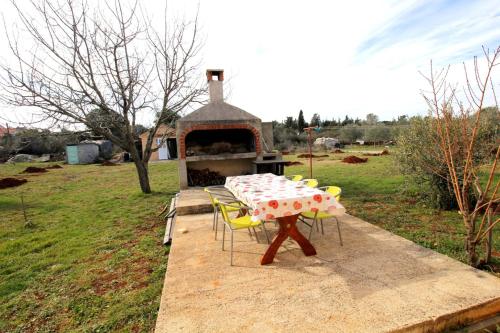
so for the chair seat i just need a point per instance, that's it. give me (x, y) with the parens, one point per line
(321, 215)
(229, 208)
(244, 222)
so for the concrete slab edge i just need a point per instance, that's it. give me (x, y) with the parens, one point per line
(194, 210)
(457, 319)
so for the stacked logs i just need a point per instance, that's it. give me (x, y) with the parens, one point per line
(204, 177)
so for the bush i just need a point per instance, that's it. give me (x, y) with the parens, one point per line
(287, 138)
(377, 134)
(38, 142)
(349, 134)
(427, 175)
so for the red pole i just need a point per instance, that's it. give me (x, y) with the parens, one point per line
(309, 140)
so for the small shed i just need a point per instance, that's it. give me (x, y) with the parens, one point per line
(164, 143)
(105, 148)
(82, 153)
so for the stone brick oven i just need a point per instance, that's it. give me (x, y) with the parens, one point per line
(219, 137)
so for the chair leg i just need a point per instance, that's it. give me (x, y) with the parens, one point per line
(311, 230)
(213, 220)
(256, 237)
(223, 235)
(338, 227)
(232, 232)
(322, 230)
(265, 232)
(216, 221)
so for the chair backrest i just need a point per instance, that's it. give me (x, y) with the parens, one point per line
(335, 191)
(311, 182)
(223, 209)
(213, 201)
(296, 178)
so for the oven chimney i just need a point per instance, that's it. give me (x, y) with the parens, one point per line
(215, 78)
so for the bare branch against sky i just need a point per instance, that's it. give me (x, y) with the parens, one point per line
(102, 67)
(334, 46)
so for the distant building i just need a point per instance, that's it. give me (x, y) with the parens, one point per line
(165, 139)
(4, 131)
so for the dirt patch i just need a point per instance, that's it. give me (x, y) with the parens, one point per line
(11, 182)
(290, 163)
(285, 152)
(107, 282)
(384, 152)
(34, 170)
(109, 163)
(55, 166)
(354, 159)
(310, 155)
(338, 151)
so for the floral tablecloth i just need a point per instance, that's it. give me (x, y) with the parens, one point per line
(272, 196)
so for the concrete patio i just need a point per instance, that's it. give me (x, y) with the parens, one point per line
(376, 282)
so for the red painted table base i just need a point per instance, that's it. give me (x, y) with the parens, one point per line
(288, 228)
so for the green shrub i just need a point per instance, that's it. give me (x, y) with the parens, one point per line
(419, 158)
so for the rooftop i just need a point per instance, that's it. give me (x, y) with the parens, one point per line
(217, 112)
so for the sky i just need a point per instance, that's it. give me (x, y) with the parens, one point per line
(334, 58)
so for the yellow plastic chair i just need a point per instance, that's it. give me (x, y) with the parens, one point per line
(336, 192)
(311, 182)
(242, 222)
(333, 190)
(217, 193)
(296, 178)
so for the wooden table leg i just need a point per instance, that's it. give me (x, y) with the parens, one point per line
(288, 228)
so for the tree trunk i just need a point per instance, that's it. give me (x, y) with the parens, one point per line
(489, 238)
(142, 172)
(470, 247)
(141, 166)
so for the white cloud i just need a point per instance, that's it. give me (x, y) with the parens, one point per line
(335, 58)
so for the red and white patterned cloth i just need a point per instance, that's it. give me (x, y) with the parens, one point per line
(272, 196)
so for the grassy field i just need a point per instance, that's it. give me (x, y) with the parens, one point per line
(94, 261)
(373, 191)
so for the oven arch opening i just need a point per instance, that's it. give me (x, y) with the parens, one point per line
(220, 141)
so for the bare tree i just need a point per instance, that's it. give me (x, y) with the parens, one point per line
(82, 59)
(457, 125)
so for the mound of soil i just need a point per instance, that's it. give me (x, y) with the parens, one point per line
(55, 166)
(354, 159)
(290, 163)
(11, 182)
(337, 151)
(109, 163)
(384, 152)
(34, 170)
(310, 155)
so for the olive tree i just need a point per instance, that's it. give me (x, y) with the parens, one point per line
(377, 134)
(350, 134)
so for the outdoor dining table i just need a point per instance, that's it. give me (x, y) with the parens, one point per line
(272, 197)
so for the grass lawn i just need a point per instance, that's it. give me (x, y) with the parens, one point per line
(373, 191)
(94, 260)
